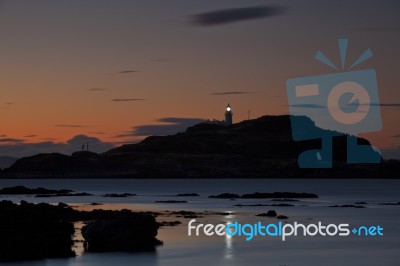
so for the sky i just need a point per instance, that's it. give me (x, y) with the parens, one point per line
(112, 72)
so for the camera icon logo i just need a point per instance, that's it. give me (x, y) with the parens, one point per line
(326, 106)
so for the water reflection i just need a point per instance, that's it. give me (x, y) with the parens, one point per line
(229, 251)
(228, 246)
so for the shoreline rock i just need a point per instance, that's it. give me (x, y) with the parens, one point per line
(21, 190)
(276, 196)
(37, 231)
(170, 201)
(116, 195)
(132, 232)
(187, 195)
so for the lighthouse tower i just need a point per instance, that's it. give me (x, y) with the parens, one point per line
(228, 115)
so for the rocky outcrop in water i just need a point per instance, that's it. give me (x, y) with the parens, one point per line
(127, 232)
(36, 231)
(30, 232)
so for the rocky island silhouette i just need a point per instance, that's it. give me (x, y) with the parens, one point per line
(257, 148)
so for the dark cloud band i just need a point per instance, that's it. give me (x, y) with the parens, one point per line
(128, 100)
(224, 16)
(127, 71)
(170, 125)
(232, 92)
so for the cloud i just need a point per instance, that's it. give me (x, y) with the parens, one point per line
(396, 136)
(97, 132)
(20, 149)
(127, 71)
(231, 92)
(30, 136)
(8, 103)
(128, 99)
(169, 126)
(10, 141)
(72, 126)
(98, 89)
(225, 16)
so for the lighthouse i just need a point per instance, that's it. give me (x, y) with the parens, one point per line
(228, 115)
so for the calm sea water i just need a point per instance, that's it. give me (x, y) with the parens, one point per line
(181, 249)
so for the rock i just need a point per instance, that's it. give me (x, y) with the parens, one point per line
(63, 205)
(115, 195)
(183, 212)
(271, 213)
(37, 231)
(187, 195)
(186, 214)
(129, 232)
(347, 206)
(280, 200)
(31, 232)
(81, 194)
(279, 195)
(170, 201)
(282, 217)
(260, 205)
(224, 213)
(171, 223)
(258, 148)
(361, 202)
(390, 203)
(21, 190)
(282, 205)
(225, 196)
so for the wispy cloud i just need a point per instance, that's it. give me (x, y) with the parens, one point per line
(98, 89)
(97, 133)
(11, 140)
(168, 126)
(30, 136)
(128, 99)
(8, 103)
(127, 71)
(231, 92)
(72, 126)
(396, 136)
(225, 16)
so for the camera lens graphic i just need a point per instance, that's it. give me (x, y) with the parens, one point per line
(359, 103)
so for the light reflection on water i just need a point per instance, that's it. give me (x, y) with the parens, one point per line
(179, 249)
(229, 252)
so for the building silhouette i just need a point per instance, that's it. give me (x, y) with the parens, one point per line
(228, 115)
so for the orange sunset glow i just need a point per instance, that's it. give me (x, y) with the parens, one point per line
(109, 69)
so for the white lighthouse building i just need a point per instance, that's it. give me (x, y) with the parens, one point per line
(228, 115)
